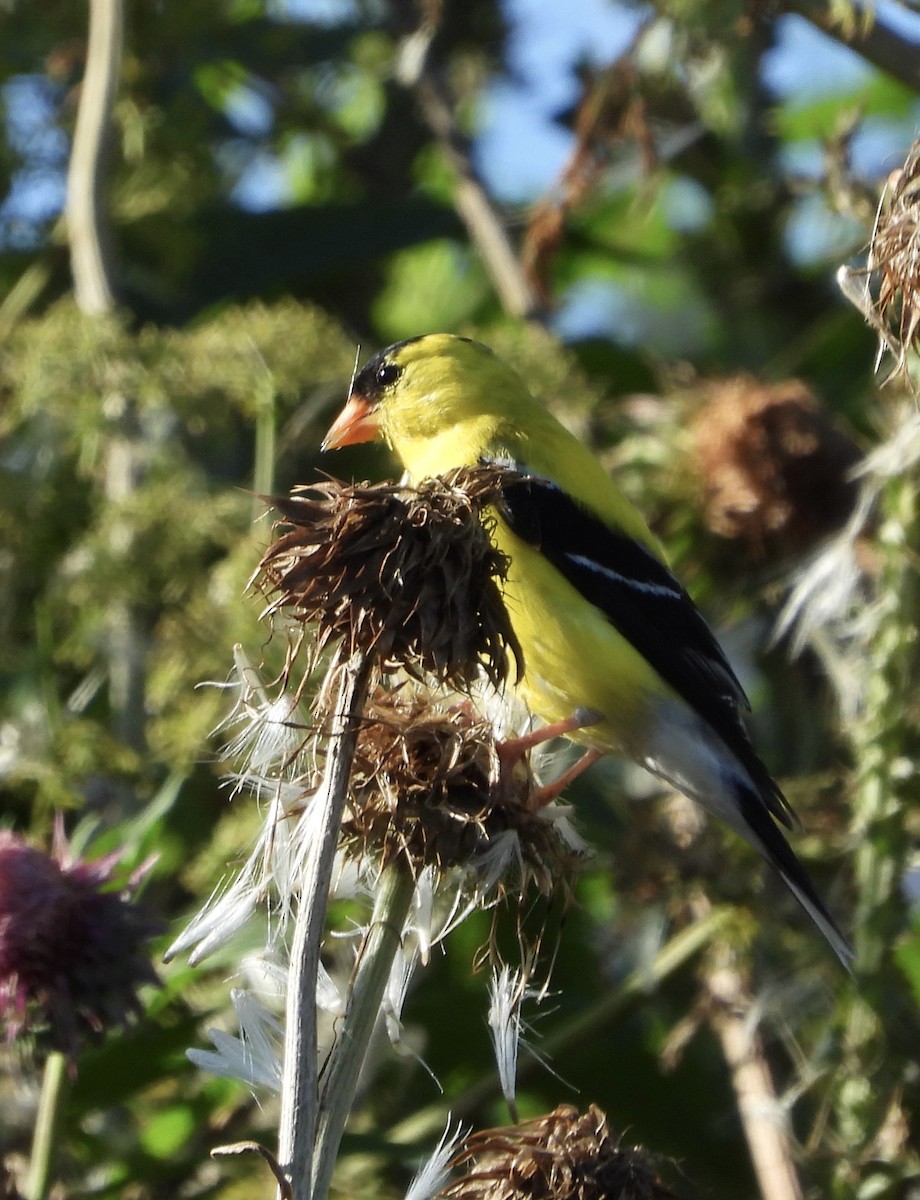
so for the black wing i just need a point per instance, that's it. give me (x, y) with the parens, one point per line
(645, 603)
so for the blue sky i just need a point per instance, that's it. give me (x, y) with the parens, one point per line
(520, 148)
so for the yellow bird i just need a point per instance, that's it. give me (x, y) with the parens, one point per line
(615, 652)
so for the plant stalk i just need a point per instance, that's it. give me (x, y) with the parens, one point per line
(299, 1078)
(88, 222)
(381, 943)
(48, 1122)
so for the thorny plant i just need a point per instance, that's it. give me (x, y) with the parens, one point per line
(855, 605)
(564, 1155)
(407, 584)
(887, 289)
(408, 575)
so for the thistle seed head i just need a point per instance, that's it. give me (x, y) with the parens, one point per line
(776, 472)
(565, 1155)
(407, 574)
(426, 784)
(895, 255)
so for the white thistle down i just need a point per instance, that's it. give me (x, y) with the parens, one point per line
(277, 766)
(507, 991)
(433, 1174)
(252, 1057)
(269, 732)
(394, 997)
(829, 606)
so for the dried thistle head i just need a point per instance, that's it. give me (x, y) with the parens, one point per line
(895, 254)
(565, 1155)
(776, 472)
(887, 290)
(426, 784)
(408, 574)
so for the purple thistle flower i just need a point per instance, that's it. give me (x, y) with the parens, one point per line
(72, 949)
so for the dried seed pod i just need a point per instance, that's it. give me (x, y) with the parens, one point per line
(426, 784)
(776, 472)
(887, 289)
(893, 266)
(565, 1155)
(408, 574)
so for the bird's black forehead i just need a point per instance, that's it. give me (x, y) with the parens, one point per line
(379, 359)
(366, 383)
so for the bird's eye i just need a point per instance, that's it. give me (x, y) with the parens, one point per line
(386, 374)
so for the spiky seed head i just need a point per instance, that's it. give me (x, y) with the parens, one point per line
(426, 784)
(72, 950)
(565, 1155)
(408, 574)
(894, 254)
(776, 472)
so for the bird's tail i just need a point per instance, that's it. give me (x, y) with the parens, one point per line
(760, 829)
(683, 750)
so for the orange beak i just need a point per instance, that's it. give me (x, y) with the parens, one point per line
(355, 423)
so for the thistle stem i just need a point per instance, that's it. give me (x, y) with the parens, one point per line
(48, 1122)
(299, 1079)
(763, 1120)
(885, 739)
(395, 889)
(263, 475)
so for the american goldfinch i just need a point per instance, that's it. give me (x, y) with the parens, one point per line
(615, 652)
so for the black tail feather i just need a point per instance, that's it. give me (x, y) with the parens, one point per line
(765, 835)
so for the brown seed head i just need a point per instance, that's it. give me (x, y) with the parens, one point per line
(565, 1155)
(408, 574)
(894, 255)
(776, 473)
(426, 784)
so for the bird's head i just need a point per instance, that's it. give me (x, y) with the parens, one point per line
(434, 400)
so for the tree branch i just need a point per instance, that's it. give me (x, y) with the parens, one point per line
(762, 1117)
(869, 36)
(88, 225)
(475, 207)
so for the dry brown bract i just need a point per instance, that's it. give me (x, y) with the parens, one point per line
(887, 290)
(895, 254)
(425, 784)
(775, 470)
(408, 574)
(565, 1155)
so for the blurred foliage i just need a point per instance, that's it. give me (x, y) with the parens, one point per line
(278, 195)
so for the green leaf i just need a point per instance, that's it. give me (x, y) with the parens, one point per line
(166, 1132)
(881, 96)
(907, 956)
(431, 287)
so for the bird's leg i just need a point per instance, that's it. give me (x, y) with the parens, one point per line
(515, 748)
(551, 791)
(512, 750)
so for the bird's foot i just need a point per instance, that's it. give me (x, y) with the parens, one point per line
(552, 791)
(512, 751)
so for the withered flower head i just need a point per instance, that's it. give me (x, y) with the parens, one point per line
(427, 784)
(776, 472)
(72, 954)
(889, 297)
(406, 573)
(565, 1155)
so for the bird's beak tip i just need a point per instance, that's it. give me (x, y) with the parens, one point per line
(355, 423)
